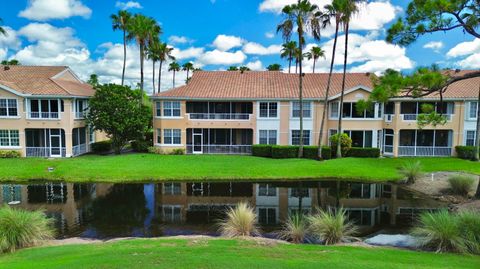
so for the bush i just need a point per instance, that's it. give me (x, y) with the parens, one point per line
(345, 143)
(20, 228)
(155, 150)
(262, 150)
(177, 152)
(364, 152)
(332, 227)
(294, 229)
(465, 152)
(311, 152)
(140, 145)
(461, 185)
(102, 146)
(241, 220)
(10, 154)
(412, 170)
(283, 152)
(469, 224)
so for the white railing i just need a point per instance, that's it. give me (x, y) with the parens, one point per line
(388, 149)
(389, 117)
(80, 149)
(80, 115)
(424, 151)
(43, 151)
(43, 115)
(413, 117)
(219, 116)
(220, 149)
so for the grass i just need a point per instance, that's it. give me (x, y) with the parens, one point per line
(461, 185)
(151, 167)
(223, 253)
(241, 220)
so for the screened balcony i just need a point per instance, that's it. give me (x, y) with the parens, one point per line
(425, 143)
(219, 141)
(45, 143)
(44, 108)
(219, 110)
(410, 110)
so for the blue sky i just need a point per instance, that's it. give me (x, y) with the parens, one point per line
(213, 34)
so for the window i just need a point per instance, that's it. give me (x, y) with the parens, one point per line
(171, 109)
(268, 109)
(91, 133)
(81, 106)
(473, 110)
(159, 136)
(334, 110)
(9, 138)
(296, 137)
(171, 214)
(266, 190)
(360, 191)
(268, 137)
(45, 108)
(172, 136)
(172, 188)
(360, 216)
(306, 109)
(470, 138)
(267, 216)
(8, 108)
(158, 109)
(299, 192)
(350, 111)
(361, 139)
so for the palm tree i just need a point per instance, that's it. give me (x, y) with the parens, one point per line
(165, 53)
(120, 21)
(145, 31)
(306, 17)
(232, 68)
(153, 54)
(315, 53)
(243, 69)
(274, 67)
(187, 67)
(2, 30)
(288, 52)
(175, 67)
(11, 62)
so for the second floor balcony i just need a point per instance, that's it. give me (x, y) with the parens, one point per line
(219, 110)
(45, 109)
(409, 111)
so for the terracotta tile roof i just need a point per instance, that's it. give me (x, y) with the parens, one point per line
(39, 80)
(261, 85)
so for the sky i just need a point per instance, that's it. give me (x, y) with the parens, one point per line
(213, 35)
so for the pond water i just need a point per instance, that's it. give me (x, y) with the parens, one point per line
(100, 210)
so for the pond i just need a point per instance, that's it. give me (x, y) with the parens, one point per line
(100, 210)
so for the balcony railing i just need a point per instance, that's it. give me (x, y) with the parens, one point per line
(220, 149)
(413, 117)
(80, 115)
(43, 151)
(424, 151)
(80, 149)
(219, 116)
(43, 115)
(389, 117)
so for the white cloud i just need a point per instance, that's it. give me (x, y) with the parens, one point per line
(471, 62)
(189, 53)
(269, 35)
(46, 32)
(10, 40)
(218, 57)
(128, 5)
(179, 39)
(227, 42)
(465, 48)
(257, 49)
(42, 10)
(434, 45)
(255, 66)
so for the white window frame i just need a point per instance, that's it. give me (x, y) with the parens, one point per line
(11, 138)
(59, 105)
(170, 187)
(172, 209)
(349, 133)
(172, 106)
(352, 112)
(268, 137)
(170, 133)
(158, 108)
(91, 135)
(268, 188)
(76, 108)
(307, 106)
(309, 137)
(267, 208)
(471, 138)
(7, 107)
(332, 107)
(473, 106)
(269, 110)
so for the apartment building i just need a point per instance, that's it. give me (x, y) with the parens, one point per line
(42, 111)
(227, 112)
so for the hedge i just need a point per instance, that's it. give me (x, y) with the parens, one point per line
(262, 150)
(284, 152)
(102, 146)
(140, 145)
(465, 152)
(311, 152)
(364, 152)
(9, 154)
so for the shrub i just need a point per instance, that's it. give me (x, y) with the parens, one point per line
(469, 224)
(102, 146)
(465, 152)
(345, 143)
(461, 185)
(262, 150)
(9, 154)
(364, 152)
(20, 228)
(440, 231)
(241, 220)
(283, 152)
(294, 229)
(177, 152)
(412, 170)
(311, 152)
(332, 227)
(140, 145)
(155, 150)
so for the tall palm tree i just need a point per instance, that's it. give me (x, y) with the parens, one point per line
(153, 54)
(274, 67)
(174, 67)
(165, 53)
(187, 67)
(307, 19)
(144, 30)
(315, 53)
(243, 68)
(120, 21)
(288, 52)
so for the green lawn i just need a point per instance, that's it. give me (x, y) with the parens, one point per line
(223, 253)
(151, 167)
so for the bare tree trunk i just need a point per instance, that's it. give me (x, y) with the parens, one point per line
(313, 70)
(300, 94)
(477, 133)
(339, 131)
(124, 55)
(142, 50)
(160, 76)
(289, 65)
(325, 101)
(173, 78)
(153, 78)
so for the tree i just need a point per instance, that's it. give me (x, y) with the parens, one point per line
(274, 67)
(187, 67)
(232, 68)
(306, 18)
(288, 52)
(315, 53)
(11, 62)
(2, 30)
(165, 53)
(114, 110)
(243, 68)
(153, 54)
(144, 31)
(93, 80)
(120, 21)
(174, 67)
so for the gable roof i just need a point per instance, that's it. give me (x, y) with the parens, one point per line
(42, 80)
(262, 85)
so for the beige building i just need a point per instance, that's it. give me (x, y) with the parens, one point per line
(42, 111)
(227, 112)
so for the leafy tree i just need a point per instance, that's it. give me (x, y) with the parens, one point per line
(174, 67)
(274, 67)
(315, 53)
(187, 67)
(114, 110)
(307, 20)
(232, 68)
(121, 21)
(11, 62)
(93, 80)
(243, 69)
(288, 52)
(165, 53)
(2, 30)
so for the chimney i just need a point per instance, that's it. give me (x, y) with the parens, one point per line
(6, 68)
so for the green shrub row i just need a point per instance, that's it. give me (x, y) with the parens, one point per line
(10, 154)
(102, 146)
(140, 145)
(283, 152)
(364, 152)
(465, 152)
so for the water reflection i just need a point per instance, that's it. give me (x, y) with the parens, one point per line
(144, 210)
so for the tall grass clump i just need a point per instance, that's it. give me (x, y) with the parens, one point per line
(461, 185)
(469, 224)
(20, 228)
(241, 220)
(412, 170)
(294, 229)
(332, 227)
